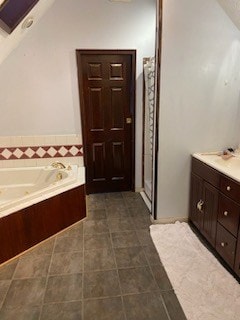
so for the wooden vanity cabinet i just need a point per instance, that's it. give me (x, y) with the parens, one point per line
(204, 201)
(215, 211)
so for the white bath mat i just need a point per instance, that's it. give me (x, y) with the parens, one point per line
(205, 290)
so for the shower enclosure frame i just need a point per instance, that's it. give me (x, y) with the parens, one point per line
(158, 53)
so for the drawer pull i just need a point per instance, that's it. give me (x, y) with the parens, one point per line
(223, 244)
(225, 213)
(228, 188)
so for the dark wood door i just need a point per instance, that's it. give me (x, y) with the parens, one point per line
(107, 98)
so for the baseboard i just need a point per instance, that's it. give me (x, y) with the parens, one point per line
(138, 189)
(146, 200)
(169, 220)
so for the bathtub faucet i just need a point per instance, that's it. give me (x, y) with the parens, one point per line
(58, 165)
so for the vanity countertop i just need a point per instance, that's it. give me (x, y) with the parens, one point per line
(230, 167)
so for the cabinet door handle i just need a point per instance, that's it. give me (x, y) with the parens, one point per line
(223, 244)
(225, 213)
(200, 205)
(228, 188)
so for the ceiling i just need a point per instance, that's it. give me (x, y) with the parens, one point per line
(232, 8)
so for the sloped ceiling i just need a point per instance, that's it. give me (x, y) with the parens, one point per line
(8, 42)
(232, 8)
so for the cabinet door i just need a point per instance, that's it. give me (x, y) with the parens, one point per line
(210, 208)
(196, 215)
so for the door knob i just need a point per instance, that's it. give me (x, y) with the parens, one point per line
(128, 120)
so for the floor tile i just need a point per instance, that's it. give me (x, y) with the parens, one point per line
(97, 197)
(74, 231)
(152, 255)
(7, 271)
(142, 223)
(43, 248)
(101, 259)
(32, 266)
(117, 213)
(66, 263)
(123, 224)
(97, 241)
(115, 203)
(96, 214)
(64, 288)
(137, 280)
(139, 212)
(62, 311)
(27, 292)
(131, 194)
(4, 286)
(125, 239)
(95, 226)
(104, 309)
(113, 195)
(96, 201)
(173, 306)
(161, 277)
(68, 244)
(145, 306)
(133, 202)
(130, 257)
(144, 237)
(101, 284)
(20, 313)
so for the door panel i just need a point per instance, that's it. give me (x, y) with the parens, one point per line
(96, 111)
(210, 195)
(116, 110)
(196, 195)
(107, 90)
(98, 155)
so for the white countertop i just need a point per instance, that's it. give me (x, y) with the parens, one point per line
(230, 167)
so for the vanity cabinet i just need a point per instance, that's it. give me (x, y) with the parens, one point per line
(204, 201)
(215, 211)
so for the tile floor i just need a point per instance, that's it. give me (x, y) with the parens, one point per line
(104, 268)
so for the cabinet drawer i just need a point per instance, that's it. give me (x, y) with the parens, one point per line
(228, 214)
(206, 172)
(226, 245)
(230, 188)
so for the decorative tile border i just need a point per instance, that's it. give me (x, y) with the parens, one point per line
(40, 152)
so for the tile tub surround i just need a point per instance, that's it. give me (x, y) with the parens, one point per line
(37, 150)
(101, 268)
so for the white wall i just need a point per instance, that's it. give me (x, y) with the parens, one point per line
(8, 42)
(38, 81)
(200, 83)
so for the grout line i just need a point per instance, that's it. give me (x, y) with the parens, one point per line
(165, 307)
(115, 260)
(47, 277)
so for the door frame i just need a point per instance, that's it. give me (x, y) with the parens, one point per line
(158, 56)
(132, 53)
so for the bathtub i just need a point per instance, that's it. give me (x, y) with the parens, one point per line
(36, 204)
(22, 187)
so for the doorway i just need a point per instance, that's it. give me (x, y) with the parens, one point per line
(107, 104)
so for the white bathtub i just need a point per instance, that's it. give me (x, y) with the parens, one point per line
(22, 187)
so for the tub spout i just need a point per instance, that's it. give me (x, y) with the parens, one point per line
(58, 165)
